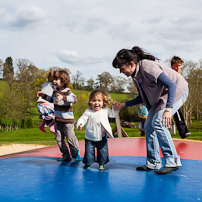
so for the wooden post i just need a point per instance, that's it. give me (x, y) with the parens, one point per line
(118, 126)
(121, 132)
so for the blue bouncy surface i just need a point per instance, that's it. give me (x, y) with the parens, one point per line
(46, 179)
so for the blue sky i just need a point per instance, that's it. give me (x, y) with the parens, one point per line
(85, 35)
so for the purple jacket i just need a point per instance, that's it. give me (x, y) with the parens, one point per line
(152, 93)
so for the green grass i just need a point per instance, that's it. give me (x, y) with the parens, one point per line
(35, 136)
(27, 136)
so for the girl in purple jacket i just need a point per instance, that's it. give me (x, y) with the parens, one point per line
(163, 91)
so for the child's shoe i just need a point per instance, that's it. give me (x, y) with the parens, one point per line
(64, 158)
(52, 129)
(41, 127)
(78, 158)
(101, 168)
(86, 167)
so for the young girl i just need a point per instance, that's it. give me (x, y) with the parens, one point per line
(97, 128)
(64, 118)
(46, 108)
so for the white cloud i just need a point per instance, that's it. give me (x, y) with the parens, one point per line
(29, 16)
(73, 58)
(86, 35)
(24, 17)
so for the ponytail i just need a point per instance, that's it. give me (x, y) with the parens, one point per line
(136, 54)
(142, 54)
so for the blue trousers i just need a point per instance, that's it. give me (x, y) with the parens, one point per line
(102, 152)
(156, 134)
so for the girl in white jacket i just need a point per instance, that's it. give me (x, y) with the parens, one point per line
(98, 128)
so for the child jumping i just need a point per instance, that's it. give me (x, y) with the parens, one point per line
(46, 108)
(98, 128)
(63, 99)
(176, 64)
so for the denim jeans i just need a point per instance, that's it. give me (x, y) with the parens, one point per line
(156, 134)
(102, 152)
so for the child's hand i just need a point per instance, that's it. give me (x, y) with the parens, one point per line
(59, 97)
(80, 127)
(39, 94)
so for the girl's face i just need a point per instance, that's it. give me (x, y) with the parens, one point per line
(57, 83)
(97, 102)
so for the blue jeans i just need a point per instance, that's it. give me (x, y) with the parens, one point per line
(102, 152)
(156, 134)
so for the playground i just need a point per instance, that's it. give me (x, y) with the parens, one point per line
(36, 175)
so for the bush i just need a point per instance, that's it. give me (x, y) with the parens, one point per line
(29, 123)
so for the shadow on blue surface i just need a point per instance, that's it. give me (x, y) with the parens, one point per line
(46, 179)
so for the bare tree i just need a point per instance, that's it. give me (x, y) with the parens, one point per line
(76, 79)
(82, 82)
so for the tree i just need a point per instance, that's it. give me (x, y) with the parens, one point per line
(193, 105)
(131, 87)
(119, 84)
(8, 68)
(91, 83)
(105, 80)
(76, 79)
(26, 75)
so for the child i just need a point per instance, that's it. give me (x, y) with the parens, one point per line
(176, 64)
(97, 128)
(46, 108)
(64, 118)
(142, 113)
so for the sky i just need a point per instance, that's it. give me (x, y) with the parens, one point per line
(85, 35)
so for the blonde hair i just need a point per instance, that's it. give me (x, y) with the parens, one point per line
(105, 96)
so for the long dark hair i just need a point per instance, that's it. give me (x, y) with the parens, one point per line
(136, 54)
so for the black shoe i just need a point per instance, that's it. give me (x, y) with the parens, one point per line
(143, 168)
(166, 170)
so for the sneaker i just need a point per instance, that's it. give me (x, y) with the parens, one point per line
(65, 158)
(101, 168)
(78, 158)
(187, 134)
(86, 167)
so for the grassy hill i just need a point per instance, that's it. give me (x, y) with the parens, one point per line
(35, 136)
